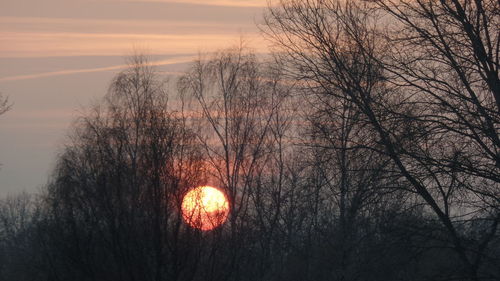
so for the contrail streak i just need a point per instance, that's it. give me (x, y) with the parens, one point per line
(97, 69)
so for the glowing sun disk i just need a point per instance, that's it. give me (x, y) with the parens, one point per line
(205, 207)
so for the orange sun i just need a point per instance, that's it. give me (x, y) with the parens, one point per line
(205, 207)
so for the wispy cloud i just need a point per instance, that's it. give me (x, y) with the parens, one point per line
(226, 11)
(22, 44)
(75, 25)
(97, 69)
(226, 3)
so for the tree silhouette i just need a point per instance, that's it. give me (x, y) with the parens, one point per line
(4, 104)
(364, 148)
(407, 82)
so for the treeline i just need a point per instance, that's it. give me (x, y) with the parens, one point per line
(366, 148)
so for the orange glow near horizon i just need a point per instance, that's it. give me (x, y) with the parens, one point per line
(205, 208)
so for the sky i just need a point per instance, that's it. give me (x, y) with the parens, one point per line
(58, 56)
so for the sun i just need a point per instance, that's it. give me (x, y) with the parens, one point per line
(205, 207)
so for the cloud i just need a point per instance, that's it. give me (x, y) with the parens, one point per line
(177, 60)
(47, 44)
(78, 25)
(220, 11)
(225, 3)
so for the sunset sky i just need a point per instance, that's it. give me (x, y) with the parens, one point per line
(57, 56)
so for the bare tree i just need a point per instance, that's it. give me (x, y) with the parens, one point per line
(116, 191)
(338, 48)
(454, 73)
(4, 104)
(241, 111)
(356, 153)
(19, 257)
